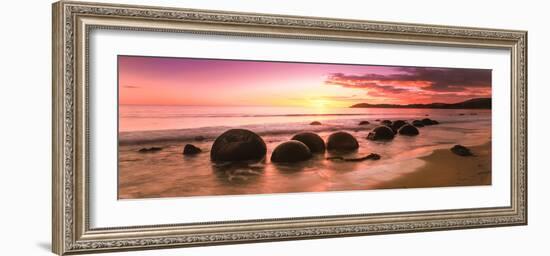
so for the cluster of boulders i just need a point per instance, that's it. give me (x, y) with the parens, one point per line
(243, 145)
(388, 129)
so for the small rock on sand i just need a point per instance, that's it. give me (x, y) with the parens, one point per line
(461, 150)
(314, 142)
(191, 150)
(290, 152)
(364, 122)
(342, 141)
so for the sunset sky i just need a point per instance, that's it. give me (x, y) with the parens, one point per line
(187, 81)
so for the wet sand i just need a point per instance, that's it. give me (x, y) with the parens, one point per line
(445, 169)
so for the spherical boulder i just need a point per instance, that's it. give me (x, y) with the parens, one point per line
(238, 145)
(427, 121)
(418, 123)
(342, 141)
(364, 122)
(190, 149)
(395, 125)
(290, 152)
(315, 123)
(381, 133)
(314, 142)
(408, 130)
(386, 122)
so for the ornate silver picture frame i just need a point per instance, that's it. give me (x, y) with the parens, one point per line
(74, 21)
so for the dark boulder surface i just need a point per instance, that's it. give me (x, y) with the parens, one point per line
(314, 142)
(386, 122)
(364, 122)
(418, 123)
(342, 141)
(150, 150)
(461, 150)
(395, 125)
(238, 145)
(381, 133)
(315, 123)
(408, 130)
(191, 150)
(427, 121)
(290, 152)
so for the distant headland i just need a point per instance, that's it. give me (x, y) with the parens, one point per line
(477, 103)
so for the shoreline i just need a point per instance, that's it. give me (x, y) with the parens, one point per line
(442, 168)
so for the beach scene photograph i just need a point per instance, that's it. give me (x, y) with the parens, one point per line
(214, 127)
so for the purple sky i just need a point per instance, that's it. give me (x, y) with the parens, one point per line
(187, 81)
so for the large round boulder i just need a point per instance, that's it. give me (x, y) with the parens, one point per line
(381, 133)
(395, 125)
(408, 130)
(314, 142)
(342, 141)
(290, 152)
(238, 145)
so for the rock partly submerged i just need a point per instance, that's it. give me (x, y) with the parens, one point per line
(199, 138)
(315, 123)
(342, 141)
(381, 133)
(408, 130)
(427, 121)
(190, 149)
(386, 123)
(461, 150)
(395, 125)
(417, 123)
(372, 156)
(149, 150)
(238, 145)
(291, 151)
(364, 122)
(314, 142)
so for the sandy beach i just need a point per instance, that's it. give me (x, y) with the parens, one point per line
(443, 168)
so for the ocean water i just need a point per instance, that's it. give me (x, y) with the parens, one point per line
(168, 173)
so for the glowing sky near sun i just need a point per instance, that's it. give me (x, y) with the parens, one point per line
(188, 81)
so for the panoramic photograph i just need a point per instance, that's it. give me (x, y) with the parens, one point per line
(211, 127)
